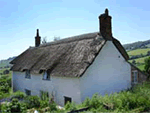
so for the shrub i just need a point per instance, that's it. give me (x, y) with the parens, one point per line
(95, 101)
(44, 103)
(86, 102)
(18, 95)
(4, 88)
(13, 107)
(70, 106)
(44, 95)
(32, 101)
(52, 106)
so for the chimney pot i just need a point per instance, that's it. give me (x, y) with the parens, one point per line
(37, 39)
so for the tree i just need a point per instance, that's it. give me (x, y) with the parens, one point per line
(133, 62)
(44, 41)
(147, 65)
(56, 38)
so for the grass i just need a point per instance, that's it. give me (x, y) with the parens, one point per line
(138, 52)
(140, 60)
(141, 67)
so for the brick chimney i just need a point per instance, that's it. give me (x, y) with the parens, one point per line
(105, 25)
(37, 39)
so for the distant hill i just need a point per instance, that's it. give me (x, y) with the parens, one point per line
(137, 45)
(138, 52)
(5, 63)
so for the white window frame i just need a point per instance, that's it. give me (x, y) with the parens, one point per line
(27, 74)
(135, 76)
(46, 75)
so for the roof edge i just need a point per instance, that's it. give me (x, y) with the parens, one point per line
(103, 43)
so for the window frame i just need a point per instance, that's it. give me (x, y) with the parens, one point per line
(27, 74)
(46, 75)
(134, 78)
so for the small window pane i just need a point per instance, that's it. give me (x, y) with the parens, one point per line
(27, 74)
(46, 75)
(134, 76)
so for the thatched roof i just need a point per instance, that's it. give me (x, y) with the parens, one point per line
(68, 57)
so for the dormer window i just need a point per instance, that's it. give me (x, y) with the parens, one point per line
(46, 75)
(27, 74)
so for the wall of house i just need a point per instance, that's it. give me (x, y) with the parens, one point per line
(108, 73)
(141, 76)
(59, 86)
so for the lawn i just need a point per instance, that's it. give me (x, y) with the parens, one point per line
(138, 52)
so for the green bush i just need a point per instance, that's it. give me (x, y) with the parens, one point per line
(4, 88)
(32, 101)
(9, 81)
(70, 106)
(13, 107)
(44, 95)
(18, 95)
(52, 106)
(86, 102)
(44, 103)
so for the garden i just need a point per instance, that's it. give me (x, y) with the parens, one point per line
(136, 99)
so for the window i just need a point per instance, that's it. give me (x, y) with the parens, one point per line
(134, 76)
(46, 75)
(67, 99)
(28, 92)
(27, 74)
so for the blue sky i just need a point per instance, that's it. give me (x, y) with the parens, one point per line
(19, 20)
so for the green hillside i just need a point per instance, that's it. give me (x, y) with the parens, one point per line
(138, 51)
(139, 61)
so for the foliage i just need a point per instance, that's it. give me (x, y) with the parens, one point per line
(44, 103)
(70, 106)
(44, 41)
(56, 38)
(147, 65)
(18, 95)
(44, 95)
(32, 101)
(135, 99)
(52, 106)
(5, 83)
(14, 106)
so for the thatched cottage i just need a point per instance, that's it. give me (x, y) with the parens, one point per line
(74, 68)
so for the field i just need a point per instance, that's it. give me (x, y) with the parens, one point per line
(148, 45)
(139, 61)
(138, 52)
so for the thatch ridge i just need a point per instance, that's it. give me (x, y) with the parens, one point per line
(68, 57)
(71, 39)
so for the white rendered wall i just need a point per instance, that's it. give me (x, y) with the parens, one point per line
(107, 74)
(60, 86)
